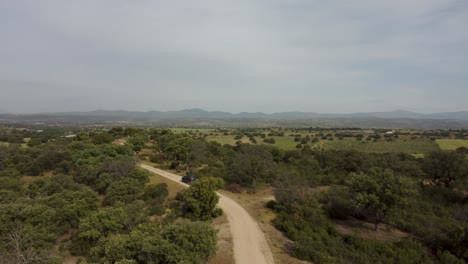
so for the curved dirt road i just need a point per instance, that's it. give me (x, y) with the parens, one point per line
(250, 245)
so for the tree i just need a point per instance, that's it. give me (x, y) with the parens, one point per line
(156, 192)
(105, 222)
(125, 191)
(199, 152)
(201, 198)
(175, 146)
(198, 239)
(118, 168)
(101, 138)
(445, 168)
(183, 241)
(378, 192)
(26, 244)
(250, 163)
(137, 143)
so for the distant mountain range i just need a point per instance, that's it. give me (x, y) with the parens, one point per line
(200, 113)
(201, 118)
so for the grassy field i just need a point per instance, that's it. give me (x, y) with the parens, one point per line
(418, 155)
(227, 139)
(409, 146)
(197, 130)
(419, 146)
(286, 143)
(222, 139)
(172, 186)
(452, 144)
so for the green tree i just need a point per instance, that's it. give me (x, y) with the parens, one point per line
(183, 241)
(125, 191)
(196, 238)
(137, 143)
(378, 192)
(110, 220)
(248, 164)
(201, 198)
(446, 168)
(199, 152)
(101, 138)
(156, 192)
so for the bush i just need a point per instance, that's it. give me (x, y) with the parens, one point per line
(234, 188)
(200, 198)
(448, 258)
(217, 212)
(155, 158)
(156, 192)
(156, 209)
(338, 203)
(271, 204)
(174, 165)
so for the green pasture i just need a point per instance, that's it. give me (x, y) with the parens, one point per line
(405, 146)
(195, 130)
(418, 147)
(452, 144)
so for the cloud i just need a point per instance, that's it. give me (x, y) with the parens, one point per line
(241, 55)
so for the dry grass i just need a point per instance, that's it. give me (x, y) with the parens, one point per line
(27, 180)
(71, 259)
(120, 141)
(65, 240)
(172, 186)
(365, 230)
(224, 254)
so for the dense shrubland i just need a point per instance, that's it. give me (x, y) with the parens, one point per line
(85, 196)
(90, 189)
(425, 197)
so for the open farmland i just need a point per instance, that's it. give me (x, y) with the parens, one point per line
(452, 144)
(227, 139)
(403, 144)
(286, 142)
(406, 146)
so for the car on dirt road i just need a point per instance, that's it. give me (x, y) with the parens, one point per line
(189, 178)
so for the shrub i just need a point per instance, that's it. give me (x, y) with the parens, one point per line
(174, 165)
(338, 203)
(217, 212)
(234, 188)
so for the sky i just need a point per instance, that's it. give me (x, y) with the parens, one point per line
(336, 56)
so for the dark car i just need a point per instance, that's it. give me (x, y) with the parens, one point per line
(189, 178)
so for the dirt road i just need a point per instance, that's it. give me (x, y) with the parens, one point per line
(250, 246)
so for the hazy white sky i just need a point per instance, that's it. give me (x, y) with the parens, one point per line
(239, 55)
